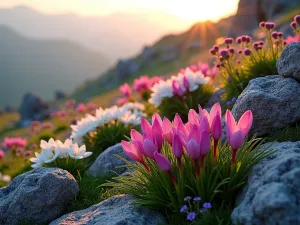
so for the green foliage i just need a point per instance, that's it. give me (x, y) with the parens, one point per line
(289, 133)
(90, 193)
(218, 182)
(104, 137)
(170, 106)
(60, 128)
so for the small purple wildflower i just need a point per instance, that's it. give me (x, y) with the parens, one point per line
(207, 205)
(244, 38)
(233, 99)
(239, 40)
(212, 51)
(197, 199)
(183, 209)
(191, 216)
(228, 103)
(240, 51)
(247, 51)
(280, 34)
(262, 24)
(275, 35)
(228, 41)
(187, 198)
(229, 79)
(270, 26)
(231, 50)
(202, 210)
(216, 47)
(294, 25)
(224, 53)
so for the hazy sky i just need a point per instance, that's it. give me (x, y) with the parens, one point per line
(187, 10)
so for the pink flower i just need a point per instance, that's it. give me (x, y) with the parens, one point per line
(291, 39)
(157, 134)
(2, 154)
(236, 132)
(162, 162)
(167, 129)
(186, 83)
(13, 143)
(47, 125)
(70, 104)
(155, 80)
(177, 90)
(80, 108)
(141, 84)
(193, 68)
(122, 101)
(125, 90)
(146, 128)
(149, 148)
(91, 106)
(132, 152)
(177, 148)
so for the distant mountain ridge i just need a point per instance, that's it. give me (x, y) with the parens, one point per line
(117, 36)
(43, 66)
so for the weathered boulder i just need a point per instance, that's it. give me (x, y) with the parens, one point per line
(288, 64)
(274, 102)
(126, 68)
(38, 196)
(106, 164)
(33, 108)
(113, 211)
(272, 194)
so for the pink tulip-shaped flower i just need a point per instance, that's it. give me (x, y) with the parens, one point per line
(193, 149)
(125, 90)
(149, 148)
(157, 134)
(204, 146)
(193, 117)
(141, 84)
(157, 117)
(167, 129)
(137, 140)
(177, 90)
(146, 127)
(122, 101)
(179, 125)
(186, 83)
(216, 125)
(236, 132)
(164, 164)
(177, 148)
(133, 153)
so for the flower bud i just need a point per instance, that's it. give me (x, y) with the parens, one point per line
(247, 51)
(262, 24)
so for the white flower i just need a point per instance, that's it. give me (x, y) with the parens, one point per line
(5, 178)
(63, 148)
(161, 90)
(46, 156)
(76, 152)
(83, 127)
(130, 118)
(48, 145)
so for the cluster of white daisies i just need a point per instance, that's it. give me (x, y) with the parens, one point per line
(164, 89)
(128, 114)
(52, 150)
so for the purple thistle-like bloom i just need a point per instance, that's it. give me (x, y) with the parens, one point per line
(207, 205)
(297, 19)
(224, 53)
(280, 34)
(183, 209)
(228, 41)
(197, 199)
(231, 50)
(233, 99)
(247, 51)
(239, 40)
(212, 51)
(261, 42)
(218, 66)
(216, 47)
(262, 24)
(228, 103)
(187, 198)
(294, 25)
(270, 26)
(240, 51)
(275, 35)
(191, 216)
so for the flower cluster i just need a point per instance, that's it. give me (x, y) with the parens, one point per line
(128, 114)
(185, 82)
(194, 208)
(192, 137)
(52, 150)
(13, 143)
(204, 68)
(296, 24)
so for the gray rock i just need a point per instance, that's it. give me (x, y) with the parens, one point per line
(116, 210)
(273, 8)
(106, 164)
(38, 196)
(272, 194)
(126, 68)
(288, 64)
(274, 101)
(33, 108)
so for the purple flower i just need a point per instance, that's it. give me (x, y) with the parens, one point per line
(197, 199)
(229, 79)
(207, 205)
(244, 38)
(202, 210)
(228, 41)
(231, 50)
(191, 216)
(212, 51)
(297, 19)
(275, 35)
(224, 53)
(280, 34)
(228, 103)
(294, 25)
(240, 51)
(216, 47)
(270, 26)
(233, 99)
(187, 198)
(247, 51)
(261, 42)
(239, 40)
(183, 209)
(262, 24)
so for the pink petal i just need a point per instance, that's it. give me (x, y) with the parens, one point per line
(193, 149)
(162, 162)
(245, 122)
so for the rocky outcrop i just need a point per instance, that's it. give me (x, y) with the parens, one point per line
(113, 211)
(273, 101)
(37, 197)
(33, 108)
(272, 194)
(288, 64)
(107, 163)
(126, 68)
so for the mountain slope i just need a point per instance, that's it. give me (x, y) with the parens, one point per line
(43, 66)
(117, 35)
